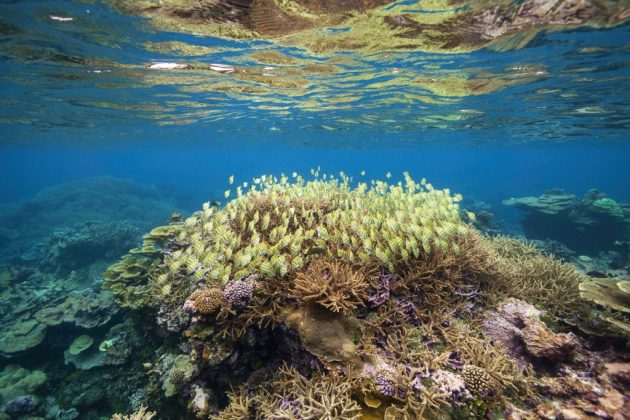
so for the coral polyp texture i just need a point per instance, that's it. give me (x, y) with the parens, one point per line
(332, 298)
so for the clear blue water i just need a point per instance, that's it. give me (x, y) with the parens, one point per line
(80, 100)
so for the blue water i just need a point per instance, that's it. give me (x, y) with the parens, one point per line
(80, 102)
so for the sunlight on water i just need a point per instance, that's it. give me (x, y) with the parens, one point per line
(86, 59)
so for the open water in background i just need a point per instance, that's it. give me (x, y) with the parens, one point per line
(78, 100)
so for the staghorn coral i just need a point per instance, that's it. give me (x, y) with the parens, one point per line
(205, 301)
(143, 413)
(473, 349)
(291, 395)
(332, 284)
(518, 269)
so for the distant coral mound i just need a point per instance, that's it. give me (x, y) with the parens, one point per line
(588, 225)
(96, 216)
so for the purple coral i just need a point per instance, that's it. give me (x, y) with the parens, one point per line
(408, 310)
(450, 385)
(384, 385)
(380, 293)
(239, 292)
(291, 406)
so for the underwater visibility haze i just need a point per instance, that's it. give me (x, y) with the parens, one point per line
(314, 209)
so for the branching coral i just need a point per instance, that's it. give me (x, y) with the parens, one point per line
(290, 395)
(143, 413)
(476, 351)
(333, 284)
(277, 226)
(519, 270)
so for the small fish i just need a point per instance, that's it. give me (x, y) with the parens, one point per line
(316, 250)
(388, 175)
(226, 194)
(231, 179)
(362, 173)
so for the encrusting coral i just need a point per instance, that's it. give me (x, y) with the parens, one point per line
(334, 299)
(205, 301)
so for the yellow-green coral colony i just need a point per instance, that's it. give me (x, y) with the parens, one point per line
(273, 227)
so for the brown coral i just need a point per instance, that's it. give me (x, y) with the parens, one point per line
(333, 284)
(477, 380)
(524, 272)
(518, 328)
(291, 395)
(328, 335)
(205, 301)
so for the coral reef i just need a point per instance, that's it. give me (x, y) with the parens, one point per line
(334, 285)
(17, 382)
(83, 308)
(587, 226)
(612, 296)
(326, 298)
(142, 414)
(50, 294)
(516, 325)
(72, 209)
(21, 336)
(80, 344)
(80, 245)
